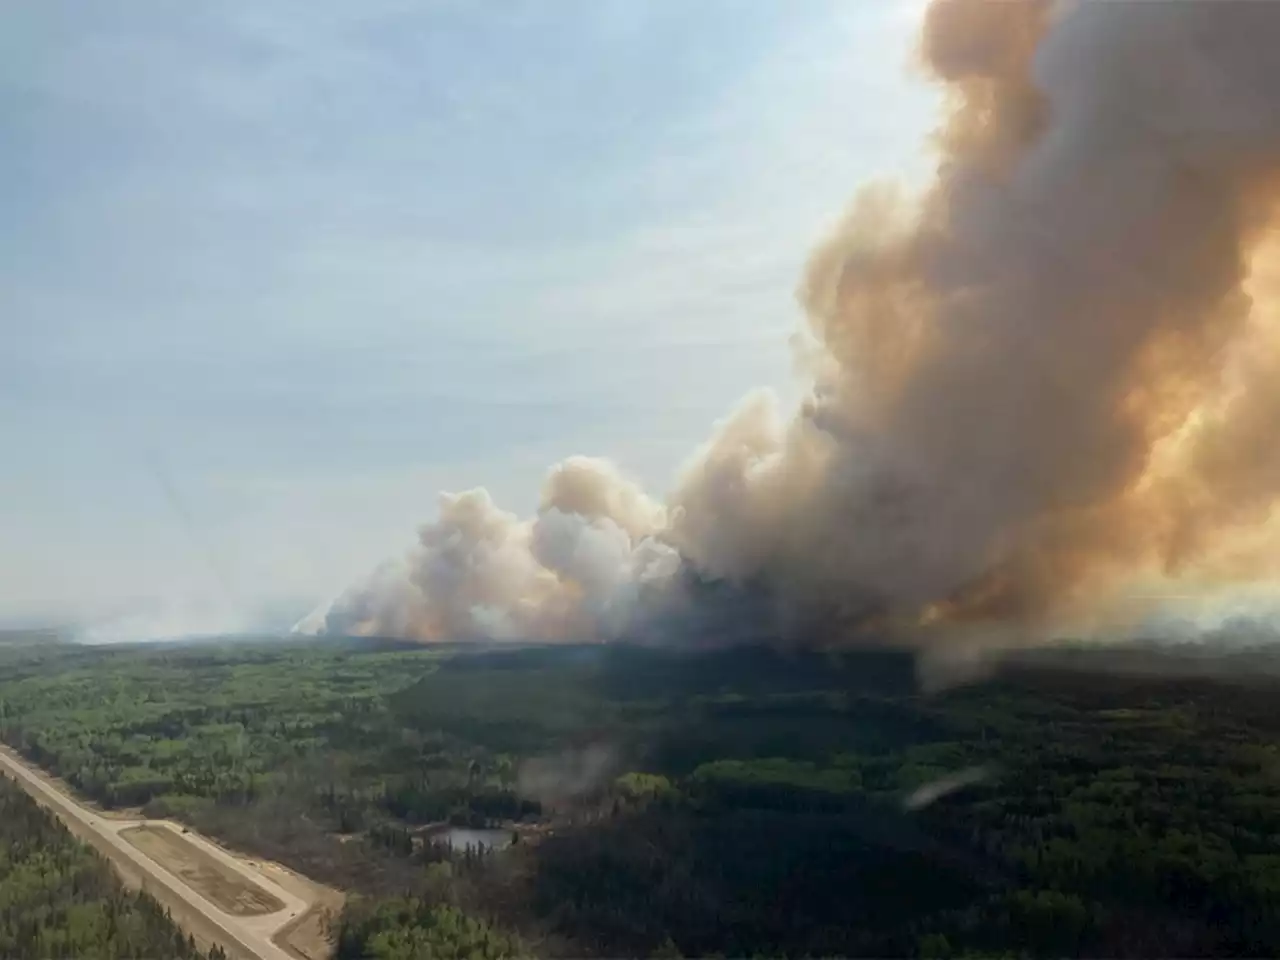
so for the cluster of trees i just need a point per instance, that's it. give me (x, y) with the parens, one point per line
(409, 928)
(751, 801)
(1134, 815)
(58, 898)
(425, 798)
(743, 882)
(234, 726)
(1121, 816)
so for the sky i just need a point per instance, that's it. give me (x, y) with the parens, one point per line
(274, 274)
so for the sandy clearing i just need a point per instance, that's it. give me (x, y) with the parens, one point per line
(247, 937)
(308, 935)
(230, 891)
(305, 936)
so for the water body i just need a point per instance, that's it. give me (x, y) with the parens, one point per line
(459, 838)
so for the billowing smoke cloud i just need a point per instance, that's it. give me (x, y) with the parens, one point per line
(579, 569)
(1050, 382)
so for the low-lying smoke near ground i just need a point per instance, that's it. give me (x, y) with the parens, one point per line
(1044, 391)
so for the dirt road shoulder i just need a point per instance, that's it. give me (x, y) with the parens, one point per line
(250, 938)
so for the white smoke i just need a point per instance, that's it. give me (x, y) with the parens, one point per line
(577, 570)
(171, 619)
(1053, 373)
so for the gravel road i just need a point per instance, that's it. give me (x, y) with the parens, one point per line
(247, 937)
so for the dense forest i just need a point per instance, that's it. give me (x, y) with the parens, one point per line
(410, 928)
(741, 802)
(58, 898)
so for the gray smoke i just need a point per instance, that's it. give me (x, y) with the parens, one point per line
(1041, 386)
(569, 775)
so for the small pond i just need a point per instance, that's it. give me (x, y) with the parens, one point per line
(462, 837)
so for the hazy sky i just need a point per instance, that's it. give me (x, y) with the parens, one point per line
(273, 274)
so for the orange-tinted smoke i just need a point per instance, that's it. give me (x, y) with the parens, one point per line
(1045, 385)
(1070, 295)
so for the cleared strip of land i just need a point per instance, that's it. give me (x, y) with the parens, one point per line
(209, 892)
(230, 891)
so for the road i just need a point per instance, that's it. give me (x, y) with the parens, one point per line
(248, 937)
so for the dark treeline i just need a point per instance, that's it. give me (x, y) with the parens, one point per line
(739, 803)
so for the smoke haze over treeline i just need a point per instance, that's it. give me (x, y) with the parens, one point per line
(1044, 391)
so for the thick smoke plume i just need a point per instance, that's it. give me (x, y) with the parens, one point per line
(1046, 386)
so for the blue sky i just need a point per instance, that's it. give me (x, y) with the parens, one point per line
(273, 274)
